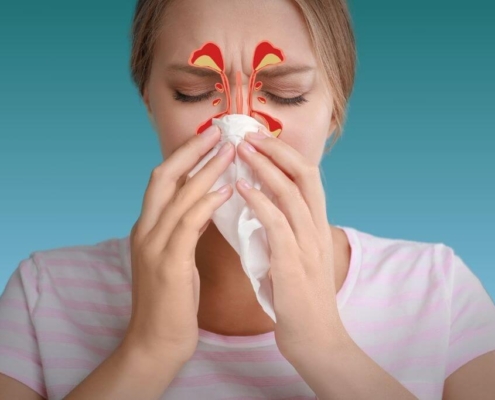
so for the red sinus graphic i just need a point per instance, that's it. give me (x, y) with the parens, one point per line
(210, 56)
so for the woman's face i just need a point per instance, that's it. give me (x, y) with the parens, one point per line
(236, 27)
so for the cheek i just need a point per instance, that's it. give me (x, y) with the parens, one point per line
(175, 122)
(307, 132)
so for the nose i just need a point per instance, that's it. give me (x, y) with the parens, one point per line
(240, 97)
(241, 100)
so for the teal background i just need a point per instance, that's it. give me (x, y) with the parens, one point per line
(415, 161)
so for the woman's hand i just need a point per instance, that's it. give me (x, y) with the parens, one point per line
(165, 280)
(300, 240)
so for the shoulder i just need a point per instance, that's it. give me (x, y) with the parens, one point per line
(105, 261)
(419, 270)
(64, 310)
(399, 272)
(82, 278)
(390, 255)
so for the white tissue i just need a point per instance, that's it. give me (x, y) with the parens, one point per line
(235, 220)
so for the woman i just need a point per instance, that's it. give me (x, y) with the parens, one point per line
(358, 316)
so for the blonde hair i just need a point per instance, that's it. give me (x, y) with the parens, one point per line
(329, 25)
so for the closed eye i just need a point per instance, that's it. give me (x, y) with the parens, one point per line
(298, 100)
(192, 99)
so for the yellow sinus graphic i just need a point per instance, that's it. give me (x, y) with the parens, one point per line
(210, 56)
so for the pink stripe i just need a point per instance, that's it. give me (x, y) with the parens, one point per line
(82, 305)
(391, 301)
(37, 386)
(486, 309)
(15, 303)
(15, 284)
(445, 260)
(409, 341)
(18, 328)
(98, 265)
(92, 284)
(390, 276)
(60, 390)
(429, 361)
(397, 252)
(251, 356)
(20, 353)
(58, 337)
(26, 271)
(425, 390)
(113, 244)
(213, 379)
(69, 362)
(107, 248)
(469, 288)
(235, 339)
(391, 323)
(474, 333)
(50, 312)
(111, 250)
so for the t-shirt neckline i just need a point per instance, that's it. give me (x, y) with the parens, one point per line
(268, 338)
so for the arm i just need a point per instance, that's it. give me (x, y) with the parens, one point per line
(349, 374)
(127, 374)
(11, 388)
(474, 380)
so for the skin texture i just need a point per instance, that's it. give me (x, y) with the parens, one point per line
(226, 293)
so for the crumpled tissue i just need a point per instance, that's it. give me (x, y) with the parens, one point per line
(235, 220)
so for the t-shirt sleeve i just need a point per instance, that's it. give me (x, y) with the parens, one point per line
(472, 314)
(19, 350)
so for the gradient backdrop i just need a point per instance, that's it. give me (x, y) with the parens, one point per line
(416, 160)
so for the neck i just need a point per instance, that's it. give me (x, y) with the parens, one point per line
(228, 303)
(218, 263)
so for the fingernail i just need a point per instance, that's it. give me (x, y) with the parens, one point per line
(265, 131)
(224, 149)
(256, 135)
(249, 146)
(244, 183)
(224, 188)
(210, 131)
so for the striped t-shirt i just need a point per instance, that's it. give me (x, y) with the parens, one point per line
(415, 308)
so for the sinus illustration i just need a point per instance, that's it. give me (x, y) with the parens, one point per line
(210, 56)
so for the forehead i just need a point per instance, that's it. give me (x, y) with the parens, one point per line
(236, 26)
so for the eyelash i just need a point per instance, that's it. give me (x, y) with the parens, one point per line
(294, 101)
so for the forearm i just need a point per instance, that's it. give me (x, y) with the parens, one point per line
(344, 371)
(127, 374)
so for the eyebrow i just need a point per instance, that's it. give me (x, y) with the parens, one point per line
(198, 71)
(275, 71)
(283, 70)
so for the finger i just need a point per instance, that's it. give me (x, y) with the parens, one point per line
(205, 226)
(192, 191)
(287, 196)
(169, 175)
(278, 231)
(183, 240)
(306, 176)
